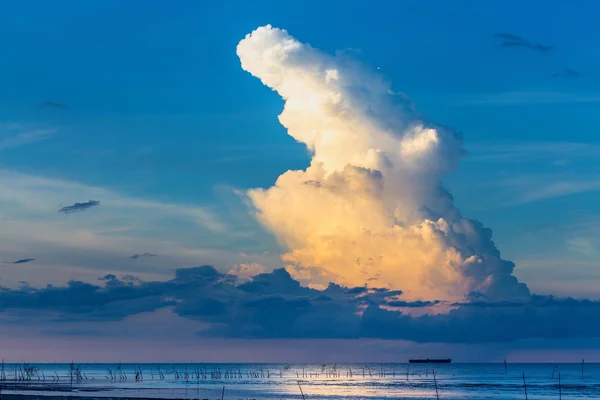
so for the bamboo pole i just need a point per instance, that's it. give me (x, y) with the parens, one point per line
(301, 392)
(559, 388)
(437, 396)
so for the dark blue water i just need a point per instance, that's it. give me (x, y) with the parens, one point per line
(279, 381)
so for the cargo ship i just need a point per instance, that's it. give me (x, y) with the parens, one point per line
(431, 361)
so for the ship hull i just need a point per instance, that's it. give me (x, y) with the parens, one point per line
(431, 361)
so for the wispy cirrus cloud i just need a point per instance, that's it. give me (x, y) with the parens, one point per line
(530, 150)
(554, 169)
(582, 238)
(584, 245)
(84, 243)
(524, 98)
(561, 275)
(40, 194)
(530, 189)
(16, 135)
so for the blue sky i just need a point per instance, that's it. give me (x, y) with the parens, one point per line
(164, 128)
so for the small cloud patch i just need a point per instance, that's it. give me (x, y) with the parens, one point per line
(22, 261)
(510, 40)
(136, 256)
(53, 104)
(567, 73)
(78, 207)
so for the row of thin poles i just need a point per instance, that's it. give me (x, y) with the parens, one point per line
(27, 372)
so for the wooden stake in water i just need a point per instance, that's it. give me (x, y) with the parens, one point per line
(525, 385)
(505, 367)
(437, 396)
(582, 368)
(559, 388)
(223, 393)
(71, 373)
(301, 392)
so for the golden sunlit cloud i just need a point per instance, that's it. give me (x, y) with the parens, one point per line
(370, 208)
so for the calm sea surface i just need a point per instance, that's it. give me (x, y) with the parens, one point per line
(290, 381)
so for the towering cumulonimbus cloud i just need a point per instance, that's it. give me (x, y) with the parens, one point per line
(370, 208)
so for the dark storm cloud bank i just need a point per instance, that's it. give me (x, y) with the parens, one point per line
(274, 305)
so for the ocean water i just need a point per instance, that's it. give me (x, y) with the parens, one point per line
(291, 381)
